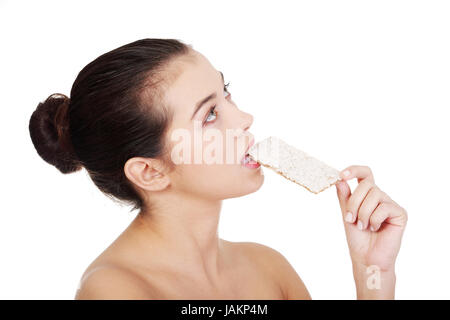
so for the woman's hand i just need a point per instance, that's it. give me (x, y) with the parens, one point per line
(374, 223)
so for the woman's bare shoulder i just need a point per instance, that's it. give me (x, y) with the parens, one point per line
(111, 281)
(277, 265)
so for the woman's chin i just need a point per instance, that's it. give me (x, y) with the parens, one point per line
(252, 183)
(259, 180)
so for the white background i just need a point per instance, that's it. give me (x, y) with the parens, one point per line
(349, 82)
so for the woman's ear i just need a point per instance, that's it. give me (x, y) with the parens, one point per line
(146, 173)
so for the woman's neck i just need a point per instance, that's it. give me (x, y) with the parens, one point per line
(187, 229)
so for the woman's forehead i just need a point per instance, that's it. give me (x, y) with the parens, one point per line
(194, 81)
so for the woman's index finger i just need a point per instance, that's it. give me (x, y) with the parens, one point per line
(358, 172)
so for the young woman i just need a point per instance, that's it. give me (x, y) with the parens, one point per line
(125, 107)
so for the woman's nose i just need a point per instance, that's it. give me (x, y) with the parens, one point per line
(247, 120)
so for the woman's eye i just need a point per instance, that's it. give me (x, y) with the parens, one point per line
(213, 113)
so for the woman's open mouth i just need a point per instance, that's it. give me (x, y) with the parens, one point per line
(247, 161)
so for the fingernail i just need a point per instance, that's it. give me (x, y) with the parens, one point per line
(346, 173)
(360, 225)
(349, 217)
(372, 228)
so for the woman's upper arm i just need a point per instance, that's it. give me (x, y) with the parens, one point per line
(112, 283)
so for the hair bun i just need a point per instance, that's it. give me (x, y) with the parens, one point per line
(49, 133)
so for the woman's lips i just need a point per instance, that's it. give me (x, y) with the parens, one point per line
(247, 161)
(252, 164)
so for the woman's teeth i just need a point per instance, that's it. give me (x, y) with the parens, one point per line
(246, 159)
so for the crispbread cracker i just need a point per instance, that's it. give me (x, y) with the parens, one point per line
(294, 164)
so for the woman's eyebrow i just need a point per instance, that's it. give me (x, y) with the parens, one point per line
(205, 100)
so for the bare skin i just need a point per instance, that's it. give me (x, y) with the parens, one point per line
(173, 251)
(139, 265)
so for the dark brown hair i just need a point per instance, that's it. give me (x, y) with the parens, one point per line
(112, 115)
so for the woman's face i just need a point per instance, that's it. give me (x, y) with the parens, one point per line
(208, 141)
